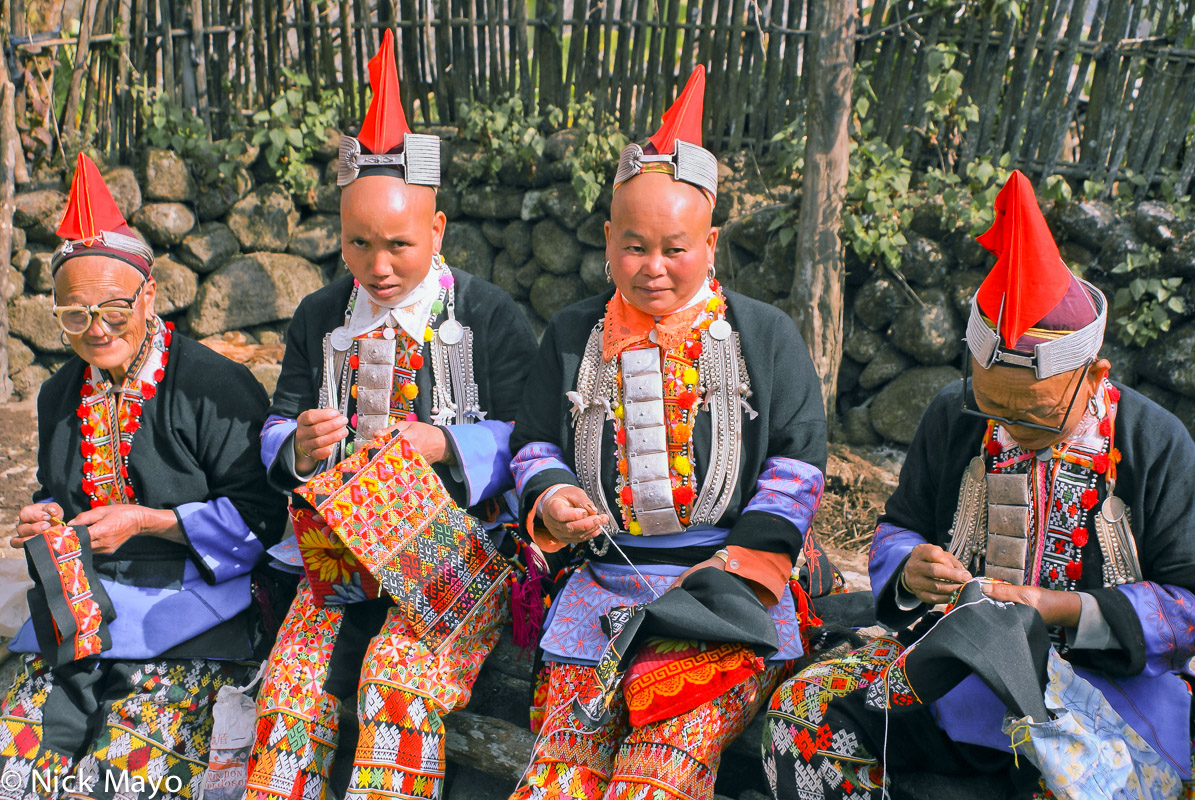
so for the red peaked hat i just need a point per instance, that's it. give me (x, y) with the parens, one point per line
(91, 209)
(1030, 279)
(385, 123)
(90, 212)
(683, 120)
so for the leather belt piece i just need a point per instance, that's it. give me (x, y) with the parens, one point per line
(647, 442)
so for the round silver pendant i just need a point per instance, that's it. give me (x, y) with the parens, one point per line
(387, 333)
(341, 338)
(720, 329)
(1113, 509)
(451, 332)
(653, 336)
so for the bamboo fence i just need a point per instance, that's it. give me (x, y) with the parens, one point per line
(1084, 88)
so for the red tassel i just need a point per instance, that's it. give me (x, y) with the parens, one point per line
(994, 448)
(527, 605)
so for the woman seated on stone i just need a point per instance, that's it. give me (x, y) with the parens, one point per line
(637, 447)
(150, 442)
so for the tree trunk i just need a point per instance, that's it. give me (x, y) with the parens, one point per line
(817, 294)
(8, 170)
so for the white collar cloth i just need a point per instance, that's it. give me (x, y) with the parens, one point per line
(411, 312)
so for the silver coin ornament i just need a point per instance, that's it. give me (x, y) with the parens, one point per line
(388, 333)
(1113, 509)
(341, 338)
(451, 332)
(720, 329)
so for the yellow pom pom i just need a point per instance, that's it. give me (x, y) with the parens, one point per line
(711, 304)
(681, 465)
(690, 376)
(619, 412)
(428, 334)
(353, 391)
(410, 391)
(635, 529)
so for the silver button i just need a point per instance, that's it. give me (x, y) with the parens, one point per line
(720, 329)
(734, 563)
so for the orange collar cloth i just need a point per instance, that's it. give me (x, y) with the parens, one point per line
(627, 326)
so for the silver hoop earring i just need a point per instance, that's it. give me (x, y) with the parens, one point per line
(62, 338)
(437, 260)
(609, 277)
(713, 273)
(343, 263)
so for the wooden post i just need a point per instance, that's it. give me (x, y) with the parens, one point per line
(817, 294)
(8, 163)
(70, 110)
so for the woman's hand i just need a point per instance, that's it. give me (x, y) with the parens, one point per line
(712, 561)
(111, 526)
(932, 574)
(34, 519)
(1055, 607)
(571, 517)
(318, 431)
(430, 441)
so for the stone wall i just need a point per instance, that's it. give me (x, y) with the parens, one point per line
(235, 260)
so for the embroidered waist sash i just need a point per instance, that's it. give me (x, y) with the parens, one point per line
(69, 607)
(386, 520)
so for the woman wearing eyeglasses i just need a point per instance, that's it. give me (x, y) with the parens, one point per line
(152, 512)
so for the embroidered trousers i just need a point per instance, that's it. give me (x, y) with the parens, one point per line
(822, 742)
(109, 729)
(673, 759)
(404, 691)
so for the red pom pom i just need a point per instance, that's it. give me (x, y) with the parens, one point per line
(354, 362)
(124, 448)
(88, 468)
(994, 447)
(1089, 498)
(1074, 570)
(124, 471)
(1079, 537)
(416, 361)
(1099, 462)
(87, 449)
(686, 399)
(86, 429)
(165, 359)
(683, 495)
(148, 390)
(97, 503)
(1105, 427)
(1114, 394)
(693, 350)
(166, 337)
(88, 390)
(626, 496)
(620, 436)
(132, 426)
(159, 374)
(81, 412)
(128, 490)
(88, 486)
(169, 326)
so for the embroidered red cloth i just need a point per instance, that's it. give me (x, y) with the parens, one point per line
(669, 677)
(393, 514)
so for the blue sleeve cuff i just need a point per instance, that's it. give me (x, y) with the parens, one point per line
(482, 452)
(274, 433)
(221, 543)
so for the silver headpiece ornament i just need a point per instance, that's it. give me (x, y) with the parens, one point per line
(1068, 352)
(691, 163)
(113, 241)
(419, 160)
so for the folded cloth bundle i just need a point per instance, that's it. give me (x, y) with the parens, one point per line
(69, 606)
(711, 606)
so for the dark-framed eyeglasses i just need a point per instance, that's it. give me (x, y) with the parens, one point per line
(114, 319)
(971, 407)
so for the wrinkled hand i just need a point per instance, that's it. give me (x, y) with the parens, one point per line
(34, 519)
(318, 432)
(112, 526)
(932, 574)
(571, 517)
(430, 441)
(1055, 607)
(712, 561)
